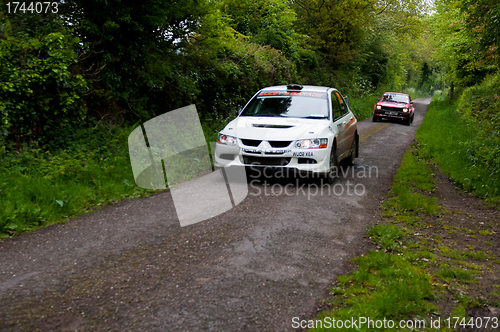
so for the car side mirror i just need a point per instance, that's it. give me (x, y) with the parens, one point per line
(239, 111)
(347, 102)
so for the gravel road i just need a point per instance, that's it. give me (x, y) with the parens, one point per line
(131, 267)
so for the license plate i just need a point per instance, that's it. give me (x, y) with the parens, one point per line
(393, 113)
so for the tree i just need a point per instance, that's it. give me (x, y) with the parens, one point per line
(119, 39)
(266, 22)
(39, 87)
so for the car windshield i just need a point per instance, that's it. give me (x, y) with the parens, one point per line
(396, 98)
(312, 105)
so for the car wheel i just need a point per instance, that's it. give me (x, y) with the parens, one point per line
(374, 119)
(354, 147)
(333, 166)
(408, 122)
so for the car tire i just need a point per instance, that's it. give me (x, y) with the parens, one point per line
(374, 119)
(354, 147)
(408, 122)
(334, 162)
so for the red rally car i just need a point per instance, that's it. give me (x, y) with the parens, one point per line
(395, 106)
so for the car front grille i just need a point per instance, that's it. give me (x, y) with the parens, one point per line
(394, 109)
(250, 142)
(279, 144)
(266, 161)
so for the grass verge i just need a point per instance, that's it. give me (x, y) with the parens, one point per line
(77, 172)
(446, 137)
(428, 264)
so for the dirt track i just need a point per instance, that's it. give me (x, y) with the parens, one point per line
(131, 267)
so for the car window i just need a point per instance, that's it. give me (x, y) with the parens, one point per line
(302, 104)
(337, 112)
(343, 106)
(396, 98)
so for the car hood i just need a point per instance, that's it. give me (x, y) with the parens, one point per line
(274, 128)
(392, 104)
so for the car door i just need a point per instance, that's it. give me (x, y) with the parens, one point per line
(337, 121)
(345, 123)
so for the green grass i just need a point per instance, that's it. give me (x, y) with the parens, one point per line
(75, 172)
(395, 281)
(449, 274)
(44, 187)
(386, 236)
(465, 254)
(392, 286)
(446, 138)
(413, 174)
(392, 282)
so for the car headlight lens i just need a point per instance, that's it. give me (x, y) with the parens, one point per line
(379, 107)
(317, 143)
(226, 139)
(405, 110)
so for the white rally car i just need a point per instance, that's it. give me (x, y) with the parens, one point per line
(305, 128)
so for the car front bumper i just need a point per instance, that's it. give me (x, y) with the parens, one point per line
(302, 160)
(392, 114)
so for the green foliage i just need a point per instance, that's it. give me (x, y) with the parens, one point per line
(120, 41)
(42, 187)
(481, 16)
(480, 104)
(449, 139)
(465, 34)
(267, 22)
(362, 106)
(38, 89)
(229, 69)
(385, 286)
(386, 235)
(413, 174)
(448, 274)
(333, 28)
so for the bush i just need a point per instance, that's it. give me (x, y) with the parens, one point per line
(456, 142)
(480, 106)
(38, 89)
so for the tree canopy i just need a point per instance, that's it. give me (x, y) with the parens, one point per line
(128, 61)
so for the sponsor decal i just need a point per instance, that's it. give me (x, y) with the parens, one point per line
(293, 93)
(265, 151)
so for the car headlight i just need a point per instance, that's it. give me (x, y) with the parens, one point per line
(226, 139)
(317, 143)
(379, 107)
(405, 110)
